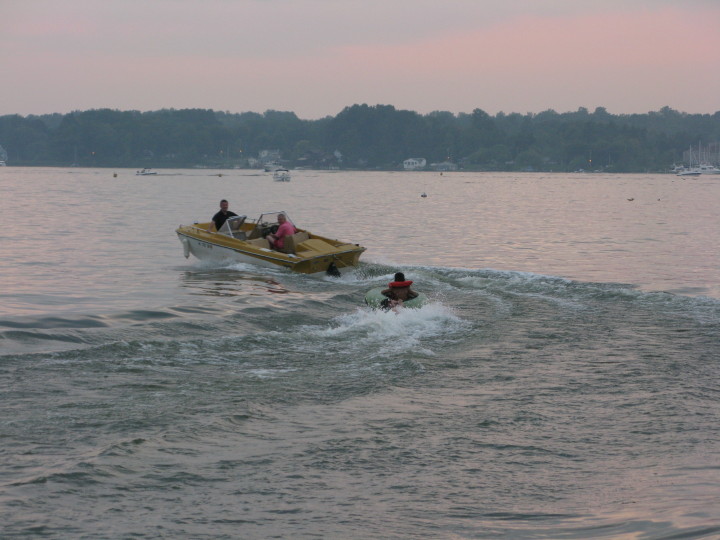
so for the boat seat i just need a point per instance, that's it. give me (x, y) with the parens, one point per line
(290, 243)
(259, 242)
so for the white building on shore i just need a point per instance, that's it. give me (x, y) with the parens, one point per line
(414, 164)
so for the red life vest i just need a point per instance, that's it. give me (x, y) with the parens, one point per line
(399, 284)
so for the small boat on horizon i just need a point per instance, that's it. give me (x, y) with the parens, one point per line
(688, 172)
(281, 175)
(145, 172)
(705, 168)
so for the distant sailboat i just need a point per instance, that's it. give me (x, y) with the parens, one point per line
(703, 165)
(690, 171)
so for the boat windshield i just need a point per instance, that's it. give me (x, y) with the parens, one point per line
(271, 218)
(232, 227)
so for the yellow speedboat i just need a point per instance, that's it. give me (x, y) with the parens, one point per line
(243, 240)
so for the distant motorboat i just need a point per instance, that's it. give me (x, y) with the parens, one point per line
(281, 175)
(705, 168)
(677, 169)
(145, 172)
(688, 172)
(2, 163)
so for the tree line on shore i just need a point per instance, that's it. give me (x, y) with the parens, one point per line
(359, 137)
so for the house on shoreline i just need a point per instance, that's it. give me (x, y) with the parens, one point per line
(414, 164)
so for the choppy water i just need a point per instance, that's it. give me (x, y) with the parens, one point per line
(563, 382)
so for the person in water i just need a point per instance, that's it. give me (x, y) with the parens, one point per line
(221, 217)
(285, 229)
(398, 291)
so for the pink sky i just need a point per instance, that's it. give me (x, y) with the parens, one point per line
(315, 57)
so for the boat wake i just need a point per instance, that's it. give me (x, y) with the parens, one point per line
(277, 307)
(378, 333)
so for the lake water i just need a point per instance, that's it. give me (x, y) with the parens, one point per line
(562, 383)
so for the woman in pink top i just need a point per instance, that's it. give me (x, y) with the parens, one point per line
(285, 229)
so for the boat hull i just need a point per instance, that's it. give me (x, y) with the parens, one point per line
(320, 258)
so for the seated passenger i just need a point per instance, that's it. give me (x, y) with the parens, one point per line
(285, 229)
(399, 289)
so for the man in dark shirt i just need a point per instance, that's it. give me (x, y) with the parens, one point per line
(221, 217)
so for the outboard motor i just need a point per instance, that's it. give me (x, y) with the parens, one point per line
(332, 270)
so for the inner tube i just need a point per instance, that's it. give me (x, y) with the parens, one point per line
(374, 298)
(400, 284)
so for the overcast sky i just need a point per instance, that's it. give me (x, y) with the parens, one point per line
(315, 57)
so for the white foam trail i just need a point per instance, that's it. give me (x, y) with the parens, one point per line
(408, 329)
(268, 373)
